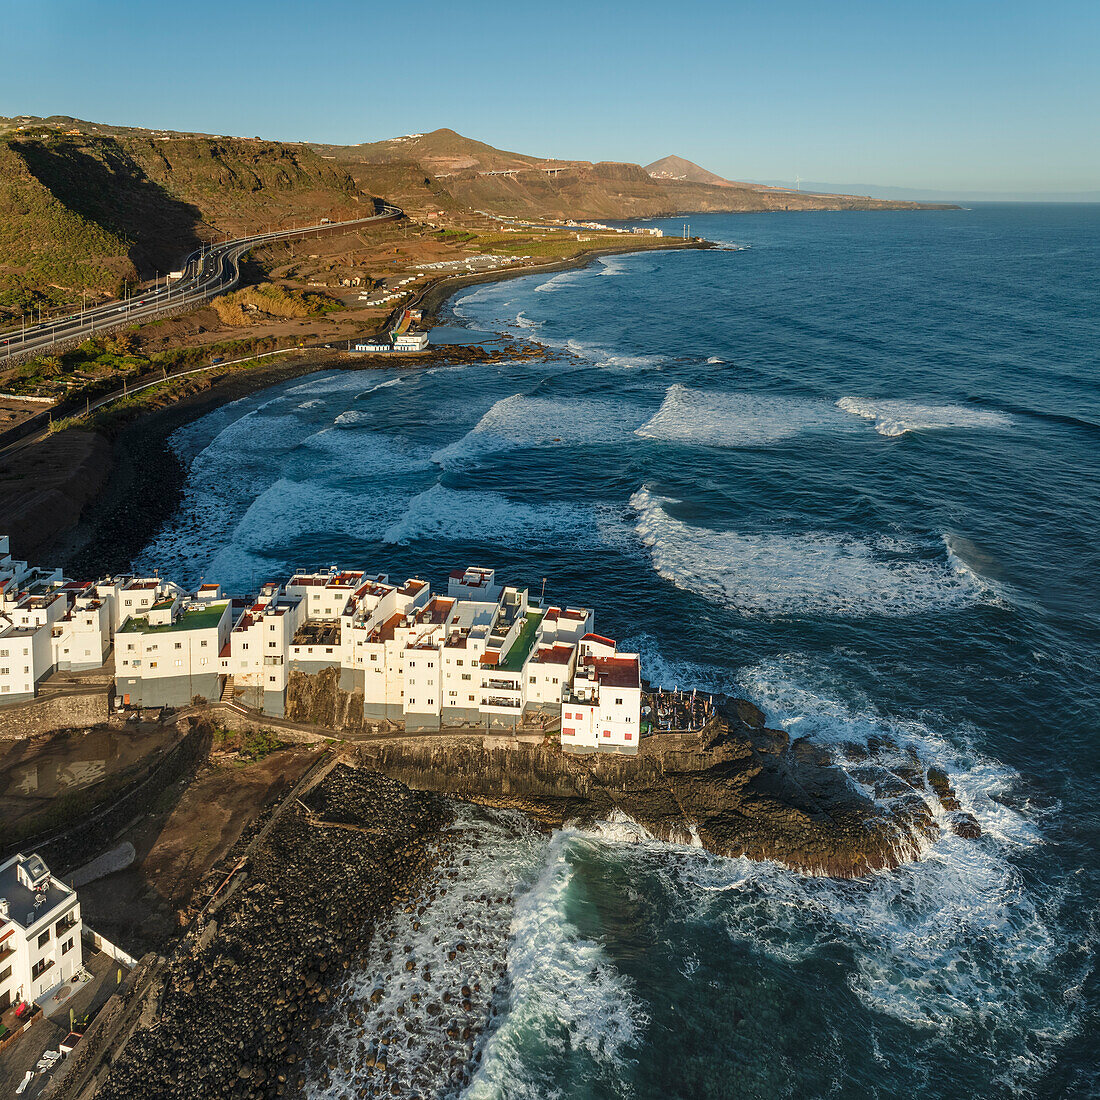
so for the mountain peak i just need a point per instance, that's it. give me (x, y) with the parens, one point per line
(677, 168)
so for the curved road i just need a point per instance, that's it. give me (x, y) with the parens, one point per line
(206, 273)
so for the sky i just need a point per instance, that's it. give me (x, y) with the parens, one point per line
(997, 95)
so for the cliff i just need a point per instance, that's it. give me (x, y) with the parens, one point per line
(738, 789)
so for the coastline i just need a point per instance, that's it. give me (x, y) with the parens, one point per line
(99, 496)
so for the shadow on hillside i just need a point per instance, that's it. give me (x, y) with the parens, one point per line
(104, 185)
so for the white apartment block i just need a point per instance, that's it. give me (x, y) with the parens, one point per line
(486, 655)
(39, 931)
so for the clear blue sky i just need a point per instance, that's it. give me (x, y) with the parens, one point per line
(986, 95)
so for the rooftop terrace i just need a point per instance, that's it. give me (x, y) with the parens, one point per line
(204, 618)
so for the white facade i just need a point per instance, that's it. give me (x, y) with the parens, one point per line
(486, 654)
(40, 928)
(602, 710)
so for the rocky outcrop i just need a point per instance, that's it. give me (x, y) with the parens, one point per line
(317, 698)
(242, 1001)
(739, 789)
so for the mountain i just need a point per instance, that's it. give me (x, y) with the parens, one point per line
(686, 171)
(86, 205)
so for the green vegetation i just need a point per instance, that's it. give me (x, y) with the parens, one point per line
(101, 364)
(241, 307)
(253, 744)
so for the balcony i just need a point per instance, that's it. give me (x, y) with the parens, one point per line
(497, 701)
(500, 685)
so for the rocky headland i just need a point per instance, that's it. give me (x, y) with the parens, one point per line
(737, 789)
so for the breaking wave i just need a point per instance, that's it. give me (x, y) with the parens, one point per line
(809, 574)
(480, 517)
(735, 419)
(563, 995)
(894, 418)
(523, 421)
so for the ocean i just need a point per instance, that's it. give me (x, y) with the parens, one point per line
(846, 465)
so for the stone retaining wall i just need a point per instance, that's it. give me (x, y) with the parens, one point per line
(58, 712)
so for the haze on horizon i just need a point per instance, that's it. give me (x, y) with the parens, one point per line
(949, 97)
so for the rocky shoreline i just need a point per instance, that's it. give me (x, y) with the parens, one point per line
(737, 789)
(240, 1006)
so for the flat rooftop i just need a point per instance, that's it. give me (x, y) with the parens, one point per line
(516, 657)
(203, 618)
(22, 910)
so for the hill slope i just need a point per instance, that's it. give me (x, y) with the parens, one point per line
(89, 210)
(685, 171)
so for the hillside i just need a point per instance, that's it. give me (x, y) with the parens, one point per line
(469, 174)
(686, 171)
(89, 206)
(92, 209)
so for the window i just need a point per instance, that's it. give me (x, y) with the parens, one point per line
(531, 680)
(178, 662)
(3, 672)
(44, 938)
(452, 693)
(471, 698)
(628, 737)
(202, 644)
(4, 688)
(607, 733)
(459, 661)
(128, 603)
(179, 645)
(152, 664)
(67, 946)
(271, 645)
(412, 664)
(5, 974)
(412, 702)
(465, 676)
(41, 967)
(271, 679)
(374, 656)
(618, 702)
(3, 652)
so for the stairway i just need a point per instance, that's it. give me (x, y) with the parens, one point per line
(228, 690)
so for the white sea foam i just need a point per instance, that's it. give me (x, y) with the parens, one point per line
(894, 418)
(563, 993)
(715, 359)
(472, 516)
(559, 281)
(602, 357)
(486, 857)
(810, 574)
(736, 419)
(523, 421)
(525, 322)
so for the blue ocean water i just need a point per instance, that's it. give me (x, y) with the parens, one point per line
(846, 465)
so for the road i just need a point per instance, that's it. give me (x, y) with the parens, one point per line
(210, 271)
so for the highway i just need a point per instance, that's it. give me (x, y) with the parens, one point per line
(210, 271)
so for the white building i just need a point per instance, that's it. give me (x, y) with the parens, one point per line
(485, 655)
(410, 341)
(173, 653)
(39, 931)
(601, 712)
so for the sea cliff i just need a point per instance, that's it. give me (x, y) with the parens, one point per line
(737, 788)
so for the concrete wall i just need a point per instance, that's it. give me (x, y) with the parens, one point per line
(59, 712)
(169, 691)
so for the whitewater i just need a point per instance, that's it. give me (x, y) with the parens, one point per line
(844, 466)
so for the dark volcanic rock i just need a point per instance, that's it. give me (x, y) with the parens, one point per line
(243, 998)
(738, 788)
